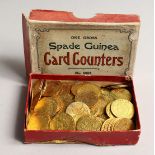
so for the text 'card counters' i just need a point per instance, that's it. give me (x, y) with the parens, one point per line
(84, 106)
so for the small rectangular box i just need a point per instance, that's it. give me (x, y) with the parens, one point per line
(59, 46)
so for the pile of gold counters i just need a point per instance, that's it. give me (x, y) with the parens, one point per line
(84, 106)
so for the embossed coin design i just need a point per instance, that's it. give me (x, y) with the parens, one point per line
(89, 123)
(122, 108)
(108, 111)
(123, 124)
(90, 98)
(47, 106)
(62, 121)
(121, 93)
(77, 109)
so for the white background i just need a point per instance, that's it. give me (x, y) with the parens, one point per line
(13, 82)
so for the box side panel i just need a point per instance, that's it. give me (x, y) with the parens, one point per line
(26, 45)
(79, 77)
(138, 125)
(27, 103)
(51, 15)
(95, 138)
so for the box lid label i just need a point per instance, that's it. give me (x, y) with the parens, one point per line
(87, 49)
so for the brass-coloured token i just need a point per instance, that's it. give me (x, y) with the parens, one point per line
(104, 116)
(98, 108)
(77, 109)
(47, 106)
(112, 123)
(123, 124)
(98, 83)
(51, 88)
(105, 93)
(88, 87)
(89, 97)
(118, 86)
(34, 101)
(101, 119)
(121, 93)
(60, 103)
(108, 111)
(59, 141)
(122, 108)
(62, 121)
(89, 123)
(65, 96)
(65, 88)
(38, 122)
(105, 125)
(75, 87)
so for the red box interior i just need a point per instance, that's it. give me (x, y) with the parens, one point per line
(91, 137)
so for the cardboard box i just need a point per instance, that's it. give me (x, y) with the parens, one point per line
(59, 46)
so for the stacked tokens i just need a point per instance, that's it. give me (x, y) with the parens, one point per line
(84, 106)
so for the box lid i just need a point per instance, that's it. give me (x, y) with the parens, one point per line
(56, 42)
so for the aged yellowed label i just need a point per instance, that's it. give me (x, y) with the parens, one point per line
(82, 51)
